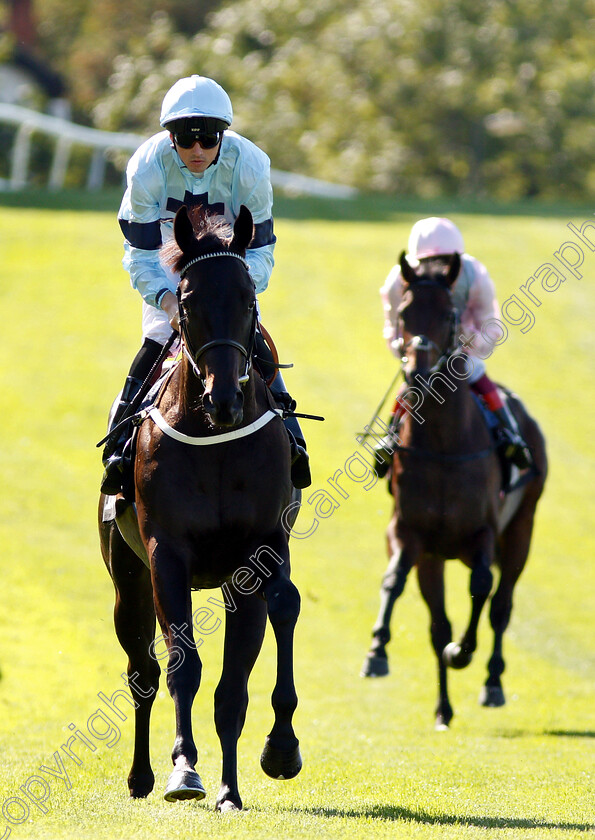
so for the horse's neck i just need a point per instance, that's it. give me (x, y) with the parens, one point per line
(446, 421)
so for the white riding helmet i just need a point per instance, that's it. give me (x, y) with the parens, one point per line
(196, 96)
(433, 237)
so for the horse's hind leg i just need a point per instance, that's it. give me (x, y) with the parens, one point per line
(244, 632)
(514, 550)
(430, 574)
(134, 619)
(393, 584)
(281, 757)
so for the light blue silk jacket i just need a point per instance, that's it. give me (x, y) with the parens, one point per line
(158, 184)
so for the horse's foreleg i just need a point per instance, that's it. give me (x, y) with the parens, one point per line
(459, 654)
(174, 610)
(430, 575)
(281, 757)
(244, 632)
(134, 620)
(393, 584)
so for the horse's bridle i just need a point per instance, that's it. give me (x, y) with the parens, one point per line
(194, 356)
(422, 342)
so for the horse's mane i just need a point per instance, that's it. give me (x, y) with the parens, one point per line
(213, 233)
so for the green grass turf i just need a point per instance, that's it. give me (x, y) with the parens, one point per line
(373, 766)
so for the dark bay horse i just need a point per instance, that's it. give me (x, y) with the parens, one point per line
(446, 482)
(212, 480)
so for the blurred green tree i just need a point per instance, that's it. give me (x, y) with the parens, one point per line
(83, 38)
(414, 96)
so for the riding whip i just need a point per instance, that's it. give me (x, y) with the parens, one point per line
(143, 391)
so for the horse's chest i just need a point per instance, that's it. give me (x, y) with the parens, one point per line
(217, 488)
(209, 511)
(213, 511)
(213, 506)
(442, 504)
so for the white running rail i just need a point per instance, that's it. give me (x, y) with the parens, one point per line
(67, 134)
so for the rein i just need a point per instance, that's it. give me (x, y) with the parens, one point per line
(194, 356)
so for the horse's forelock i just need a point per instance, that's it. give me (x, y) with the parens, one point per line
(205, 223)
(213, 233)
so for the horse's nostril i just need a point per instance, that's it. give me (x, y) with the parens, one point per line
(226, 411)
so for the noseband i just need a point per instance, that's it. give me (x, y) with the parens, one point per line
(194, 356)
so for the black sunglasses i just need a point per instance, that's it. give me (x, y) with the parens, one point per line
(187, 139)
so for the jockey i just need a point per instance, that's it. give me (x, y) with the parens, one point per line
(474, 299)
(194, 161)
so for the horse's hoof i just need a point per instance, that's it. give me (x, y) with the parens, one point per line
(491, 696)
(228, 801)
(281, 764)
(184, 784)
(443, 719)
(455, 657)
(140, 789)
(228, 807)
(374, 666)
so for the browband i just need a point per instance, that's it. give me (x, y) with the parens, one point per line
(209, 256)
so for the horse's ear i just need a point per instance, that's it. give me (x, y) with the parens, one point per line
(407, 272)
(183, 230)
(243, 231)
(453, 271)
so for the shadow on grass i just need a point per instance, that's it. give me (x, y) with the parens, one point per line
(555, 733)
(398, 814)
(570, 733)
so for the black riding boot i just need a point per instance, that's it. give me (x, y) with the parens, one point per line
(383, 455)
(300, 461)
(515, 449)
(384, 447)
(111, 483)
